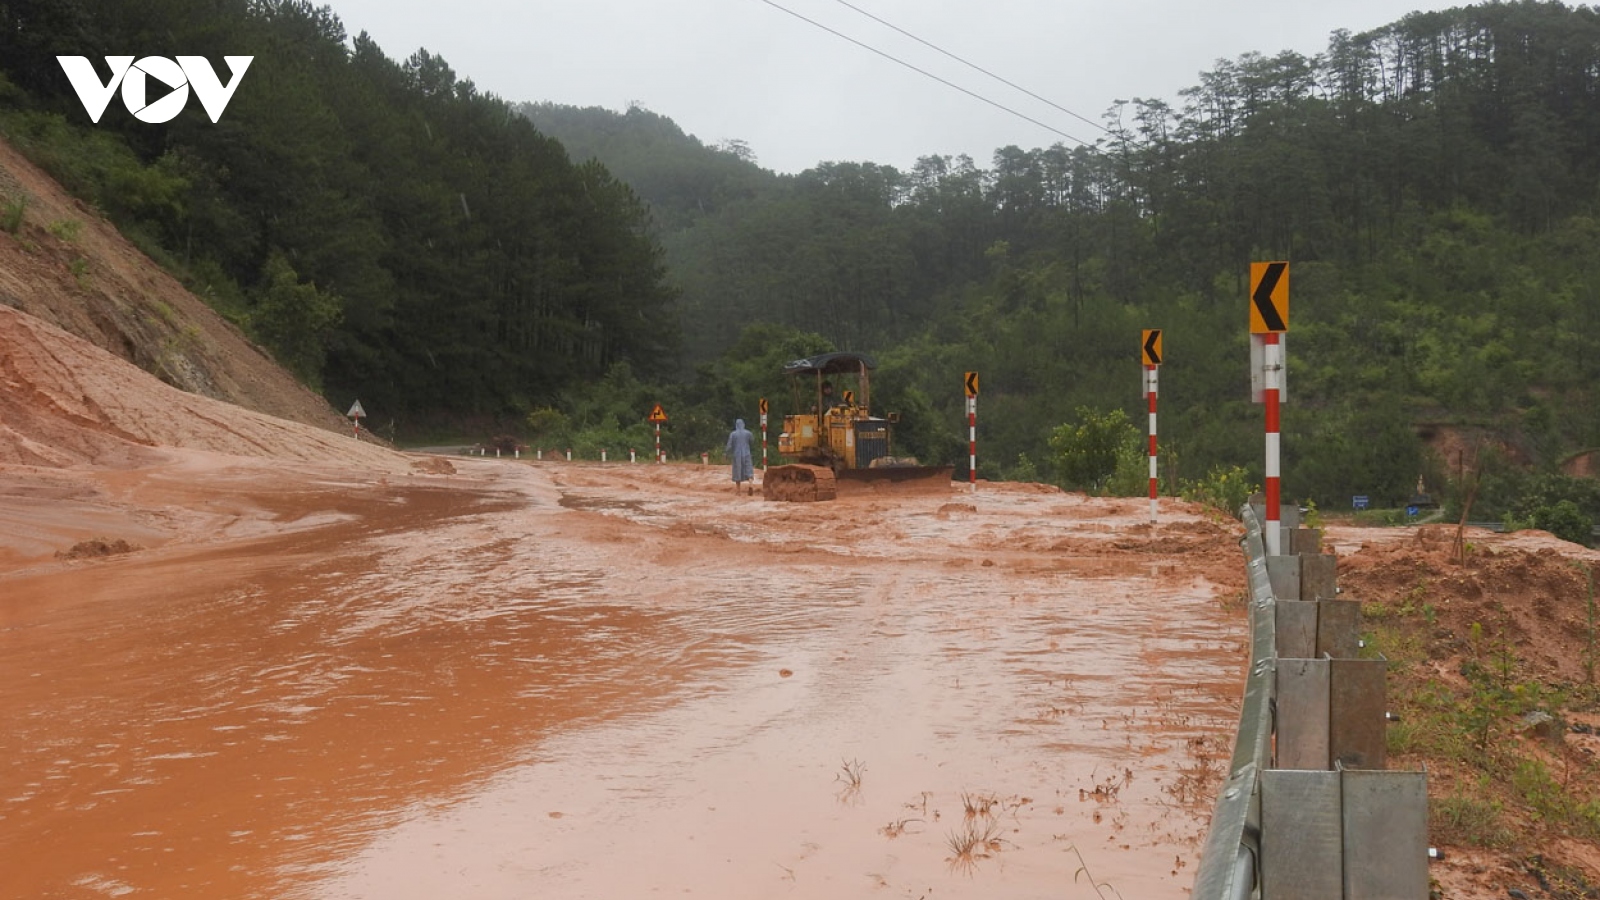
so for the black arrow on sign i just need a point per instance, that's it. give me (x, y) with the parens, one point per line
(972, 384)
(1150, 352)
(1262, 298)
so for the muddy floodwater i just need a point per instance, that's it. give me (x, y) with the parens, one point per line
(581, 681)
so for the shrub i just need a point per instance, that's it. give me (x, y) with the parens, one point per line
(12, 213)
(67, 229)
(1131, 478)
(1024, 470)
(1086, 454)
(1565, 521)
(1225, 488)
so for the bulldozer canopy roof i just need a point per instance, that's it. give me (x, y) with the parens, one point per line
(843, 363)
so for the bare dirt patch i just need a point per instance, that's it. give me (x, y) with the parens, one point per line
(1492, 673)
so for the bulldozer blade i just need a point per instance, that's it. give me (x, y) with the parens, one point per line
(897, 478)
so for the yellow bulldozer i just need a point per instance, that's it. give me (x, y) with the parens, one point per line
(839, 443)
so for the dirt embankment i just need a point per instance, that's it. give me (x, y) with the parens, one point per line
(67, 266)
(65, 402)
(1492, 648)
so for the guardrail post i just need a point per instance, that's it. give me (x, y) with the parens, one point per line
(1338, 628)
(1302, 836)
(1385, 835)
(1317, 575)
(1325, 822)
(1297, 629)
(1357, 726)
(1303, 714)
(1284, 572)
(1305, 540)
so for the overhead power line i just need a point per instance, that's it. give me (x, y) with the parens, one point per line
(975, 67)
(950, 84)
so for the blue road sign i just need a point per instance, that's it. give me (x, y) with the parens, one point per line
(1360, 501)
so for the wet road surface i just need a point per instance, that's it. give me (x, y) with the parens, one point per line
(584, 681)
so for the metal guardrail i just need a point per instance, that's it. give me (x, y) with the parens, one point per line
(1229, 862)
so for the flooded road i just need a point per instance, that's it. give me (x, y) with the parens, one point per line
(572, 681)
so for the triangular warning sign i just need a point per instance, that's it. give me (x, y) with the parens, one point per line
(356, 412)
(657, 414)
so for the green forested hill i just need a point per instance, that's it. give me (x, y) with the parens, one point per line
(389, 229)
(1434, 183)
(681, 178)
(385, 228)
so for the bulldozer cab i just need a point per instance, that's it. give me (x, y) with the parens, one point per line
(838, 442)
(835, 427)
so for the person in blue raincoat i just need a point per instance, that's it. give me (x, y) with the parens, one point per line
(739, 441)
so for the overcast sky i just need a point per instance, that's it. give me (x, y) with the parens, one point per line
(799, 95)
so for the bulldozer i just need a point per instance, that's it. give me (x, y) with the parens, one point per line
(839, 443)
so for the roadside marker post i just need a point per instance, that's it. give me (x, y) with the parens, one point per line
(1269, 321)
(658, 415)
(971, 385)
(763, 434)
(1150, 345)
(569, 454)
(355, 416)
(602, 455)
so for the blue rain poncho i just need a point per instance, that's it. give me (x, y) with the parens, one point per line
(739, 441)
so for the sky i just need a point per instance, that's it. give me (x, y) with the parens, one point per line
(798, 95)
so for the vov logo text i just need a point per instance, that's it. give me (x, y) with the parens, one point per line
(133, 77)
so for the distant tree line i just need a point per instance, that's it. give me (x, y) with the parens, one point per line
(1433, 183)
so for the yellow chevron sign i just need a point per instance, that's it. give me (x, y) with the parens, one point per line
(1150, 344)
(1269, 297)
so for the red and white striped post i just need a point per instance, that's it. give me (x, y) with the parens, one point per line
(355, 415)
(1150, 354)
(971, 384)
(1151, 376)
(763, 434)
(1269, 318)
(972, 442)
(1270, 369)
(658, 415)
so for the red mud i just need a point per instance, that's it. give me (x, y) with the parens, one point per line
(323, 669)
(579, 681)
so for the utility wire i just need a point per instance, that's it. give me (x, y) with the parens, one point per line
(976, 67)
(924, 72)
